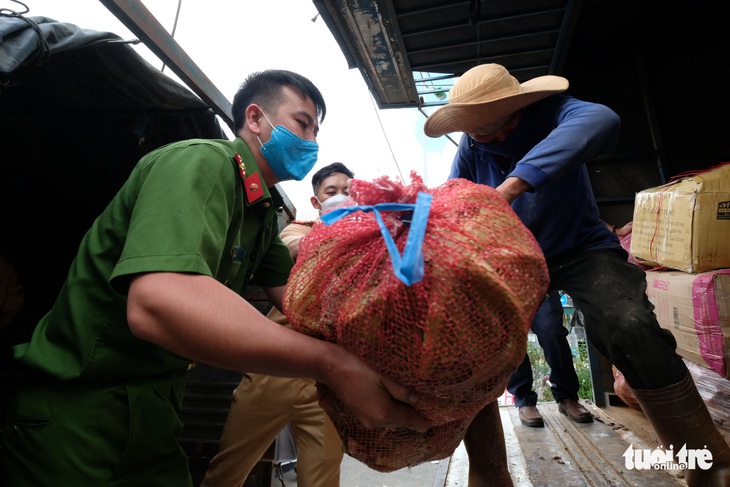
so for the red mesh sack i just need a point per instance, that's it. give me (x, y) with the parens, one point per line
(455, 334)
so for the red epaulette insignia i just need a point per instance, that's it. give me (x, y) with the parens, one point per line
(252, 185)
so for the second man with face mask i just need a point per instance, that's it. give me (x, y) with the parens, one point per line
(263, 405)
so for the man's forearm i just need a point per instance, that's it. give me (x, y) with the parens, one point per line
(512, 187)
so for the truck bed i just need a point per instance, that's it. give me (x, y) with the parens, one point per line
(568, 454)
(563, 453)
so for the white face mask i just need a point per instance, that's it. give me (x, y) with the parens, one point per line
(333, 202)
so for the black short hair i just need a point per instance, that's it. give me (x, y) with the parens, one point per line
(265, 89)
(327, 171)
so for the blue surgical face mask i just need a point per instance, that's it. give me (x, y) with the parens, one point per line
(289, 156)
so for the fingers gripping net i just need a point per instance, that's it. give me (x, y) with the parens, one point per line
(455, 336)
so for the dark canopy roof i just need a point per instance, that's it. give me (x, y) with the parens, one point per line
(47, 66)
(661, 66)
(78, 108)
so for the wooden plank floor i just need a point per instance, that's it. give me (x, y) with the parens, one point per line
(568, 454)
(562, 454)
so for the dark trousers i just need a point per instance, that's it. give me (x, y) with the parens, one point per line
(619, 319)
(551, 335)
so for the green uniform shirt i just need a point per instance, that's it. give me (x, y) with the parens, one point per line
(183, 209)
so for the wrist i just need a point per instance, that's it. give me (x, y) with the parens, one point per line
(512, 187)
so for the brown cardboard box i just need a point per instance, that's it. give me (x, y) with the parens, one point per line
(696, 309)
(685, 224)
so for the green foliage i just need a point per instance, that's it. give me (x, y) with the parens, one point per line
(583, 369)
(541, 372)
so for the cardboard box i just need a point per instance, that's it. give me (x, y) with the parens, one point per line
(696, 309)
(685, 224)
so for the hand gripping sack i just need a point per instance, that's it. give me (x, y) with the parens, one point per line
(434, 288)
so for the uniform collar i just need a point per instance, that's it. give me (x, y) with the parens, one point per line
(252, 182)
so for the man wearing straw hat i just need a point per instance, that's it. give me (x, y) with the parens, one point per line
(532, 143)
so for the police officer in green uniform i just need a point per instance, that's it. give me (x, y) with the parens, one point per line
(157, 284)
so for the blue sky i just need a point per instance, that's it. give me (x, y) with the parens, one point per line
(229, 39)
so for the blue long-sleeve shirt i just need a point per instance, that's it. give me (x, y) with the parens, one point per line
(548, 149)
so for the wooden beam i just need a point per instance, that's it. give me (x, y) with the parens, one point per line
(135, 16)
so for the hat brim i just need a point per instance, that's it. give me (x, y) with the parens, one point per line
(467, 117)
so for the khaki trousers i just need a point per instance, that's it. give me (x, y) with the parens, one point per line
(262, 406)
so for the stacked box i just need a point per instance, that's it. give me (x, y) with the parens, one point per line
(685, 224)
(715, 391)
(696, 309)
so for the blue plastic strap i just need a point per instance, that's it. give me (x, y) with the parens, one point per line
(409, 267)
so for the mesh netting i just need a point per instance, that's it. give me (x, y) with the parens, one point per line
(455, 336)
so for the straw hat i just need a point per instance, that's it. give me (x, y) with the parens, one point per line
(484, 96)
